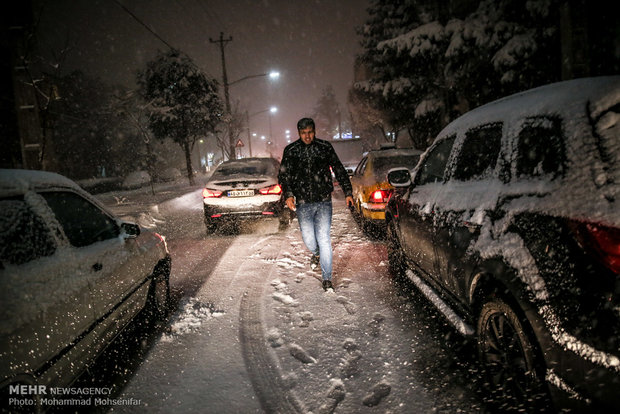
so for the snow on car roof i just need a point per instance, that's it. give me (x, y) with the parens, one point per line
(567, 97)
(16, 181)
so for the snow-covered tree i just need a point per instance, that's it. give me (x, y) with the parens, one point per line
(183, 101)
(327, 116)
(428, 64)
(368, 120)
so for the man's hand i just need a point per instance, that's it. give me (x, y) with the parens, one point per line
(349, 201)
(290, 202)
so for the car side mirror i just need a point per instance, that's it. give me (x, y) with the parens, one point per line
(130, 230)
(399, 177)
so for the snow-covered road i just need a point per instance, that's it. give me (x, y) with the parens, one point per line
(261, 335)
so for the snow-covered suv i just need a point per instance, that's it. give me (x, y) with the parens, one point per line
(510, 224)
(72, 276)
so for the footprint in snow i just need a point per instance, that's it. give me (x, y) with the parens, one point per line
(374, 326)
(350, 364)
(348, 305)
(285, 299)
(290, 380)
(349, 345)
(306, 318)
(274, 337)
(335, 395)
(300, 354)
(376, 394)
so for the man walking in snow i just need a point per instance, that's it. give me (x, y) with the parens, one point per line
(306, 180)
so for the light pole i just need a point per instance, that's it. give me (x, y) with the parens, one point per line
(231, 138)
(272, 110)
(272, 75)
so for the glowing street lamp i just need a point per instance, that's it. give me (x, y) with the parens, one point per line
(272, 110)
(273, 75)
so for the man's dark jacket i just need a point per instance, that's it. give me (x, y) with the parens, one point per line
(305, 171)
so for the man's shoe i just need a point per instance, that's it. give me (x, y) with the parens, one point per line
(314, 261)
(327, 284)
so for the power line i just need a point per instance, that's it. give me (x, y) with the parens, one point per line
(159, 37)
(143, 24)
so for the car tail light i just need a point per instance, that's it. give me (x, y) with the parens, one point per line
(207, 193)
(607, 243)
(380, 196)
(273, 189)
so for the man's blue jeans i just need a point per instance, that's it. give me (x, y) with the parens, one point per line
(315, 222)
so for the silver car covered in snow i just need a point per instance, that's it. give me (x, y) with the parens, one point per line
(244, 188)
(72, 276)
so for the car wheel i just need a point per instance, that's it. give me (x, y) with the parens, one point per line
(357, 212)
(509, 361)
(396, 263)
(362, 221)
(159, 293)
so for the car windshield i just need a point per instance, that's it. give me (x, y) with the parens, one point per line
(253, 167)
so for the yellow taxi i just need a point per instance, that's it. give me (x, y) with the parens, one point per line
(371, 189)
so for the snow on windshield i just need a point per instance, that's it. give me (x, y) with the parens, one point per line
(250, 167)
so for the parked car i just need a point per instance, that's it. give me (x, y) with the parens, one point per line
(72, 276)
(243, 189)
(371, 189)
(510, 224)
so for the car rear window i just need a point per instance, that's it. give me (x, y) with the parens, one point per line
(23, 235)
(246, 168)
(606, 130)
(541, 148)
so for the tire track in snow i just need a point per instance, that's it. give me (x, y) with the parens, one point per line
(263, 367)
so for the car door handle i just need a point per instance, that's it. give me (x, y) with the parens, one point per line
(97, 267)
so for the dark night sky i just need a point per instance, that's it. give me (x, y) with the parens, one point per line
(312, 43)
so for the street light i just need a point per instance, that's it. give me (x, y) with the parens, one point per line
(273, 75)
(271, 110)
(231, 139)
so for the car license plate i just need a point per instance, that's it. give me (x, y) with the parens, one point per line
(240, 193)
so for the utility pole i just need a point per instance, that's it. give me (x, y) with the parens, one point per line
(231, 139)
(247, 121)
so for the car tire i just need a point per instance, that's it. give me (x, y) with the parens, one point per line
(396, 262)
(509, 360)
(158, 304)
(357, 213)
(362, 221)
